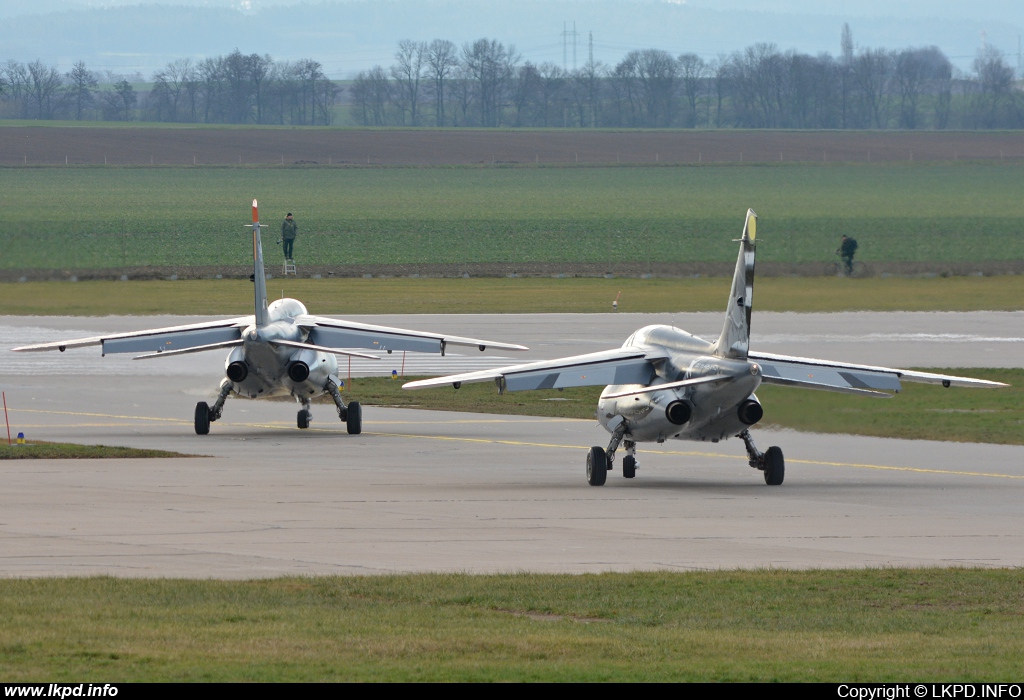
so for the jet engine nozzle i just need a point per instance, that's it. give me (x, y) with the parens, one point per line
(298, 371)
(678, 412)
(238, 371)
(749, 412)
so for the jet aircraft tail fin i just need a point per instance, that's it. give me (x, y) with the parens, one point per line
(259, 276)
(735, 339)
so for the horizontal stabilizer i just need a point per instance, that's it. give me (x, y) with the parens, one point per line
(321, 348)
(670, 385)
(827, 387)
(619, 366)
(186, 351)
(330, 332)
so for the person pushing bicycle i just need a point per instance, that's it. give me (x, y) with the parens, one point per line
(846, 250)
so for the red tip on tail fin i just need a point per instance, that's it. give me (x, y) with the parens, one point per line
(255, 213)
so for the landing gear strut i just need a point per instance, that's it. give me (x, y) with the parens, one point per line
(771, 462)
(351, 415)
(206, 414)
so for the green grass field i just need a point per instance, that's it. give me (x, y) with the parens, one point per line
(500, 295)
(825, 626)
(34, 449)
(101, 217)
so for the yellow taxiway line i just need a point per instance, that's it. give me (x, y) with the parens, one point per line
(494, 441)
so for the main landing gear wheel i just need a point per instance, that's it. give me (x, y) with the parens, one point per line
(354, 418)
(597, 466)
(303, 419)
(774, 467)
(202, 418)
(629, 466)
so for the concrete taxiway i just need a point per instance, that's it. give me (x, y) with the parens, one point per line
(433, 491)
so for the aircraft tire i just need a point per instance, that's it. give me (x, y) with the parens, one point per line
(774, 467)
(354, 418)
(202, 418)
(303, 419)
(629, 466)
(597, 466)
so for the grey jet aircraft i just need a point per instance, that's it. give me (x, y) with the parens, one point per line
(280, 350)
(664, 383)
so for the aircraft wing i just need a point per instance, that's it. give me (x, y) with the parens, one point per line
(811, 373)
(334, 333)
(193, 335)
(619, 366)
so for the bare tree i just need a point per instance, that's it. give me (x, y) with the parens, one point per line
(721, 78)
(82, 84)
(119, 103)
(693, 73)
(460, 93)
(939, 77)
(442, 60)
(371, 93)
(585, 88)
(550, 97)
(845, 70)
(758, 82)
(625, 87)
(525, 87)
(872, 71)
(491, 66)
(17, 79)
(325, 96)
(261, 69)
(658, 73)
(995, 79)
(210, 76)
(407, 74)
(44, 83)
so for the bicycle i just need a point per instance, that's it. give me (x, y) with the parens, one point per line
(837, 269)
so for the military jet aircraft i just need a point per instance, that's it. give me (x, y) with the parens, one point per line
(665, 383)
(280, 350)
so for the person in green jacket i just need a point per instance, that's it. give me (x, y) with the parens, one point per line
(288, 230)
(846, 250)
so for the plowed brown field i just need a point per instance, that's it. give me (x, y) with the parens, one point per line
(144, 145)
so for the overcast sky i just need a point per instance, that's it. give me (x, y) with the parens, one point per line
(351, 35)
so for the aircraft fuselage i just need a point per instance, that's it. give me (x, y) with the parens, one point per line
(258, 368)
(703, 412)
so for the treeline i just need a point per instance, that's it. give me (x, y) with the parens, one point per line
(232, 89)
(486, 83)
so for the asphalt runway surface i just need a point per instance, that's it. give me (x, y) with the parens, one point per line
(439, 491)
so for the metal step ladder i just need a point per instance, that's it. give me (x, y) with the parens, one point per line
(289, 268)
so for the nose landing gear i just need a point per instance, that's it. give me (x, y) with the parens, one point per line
(599, 460)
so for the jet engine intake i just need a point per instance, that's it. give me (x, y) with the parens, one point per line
(298, 371)
(678, 412)
(238, 371)
(749, 412)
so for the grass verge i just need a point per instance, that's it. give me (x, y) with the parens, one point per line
(826, 626)
(58, 450)
(919, 412)
(528, 295)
